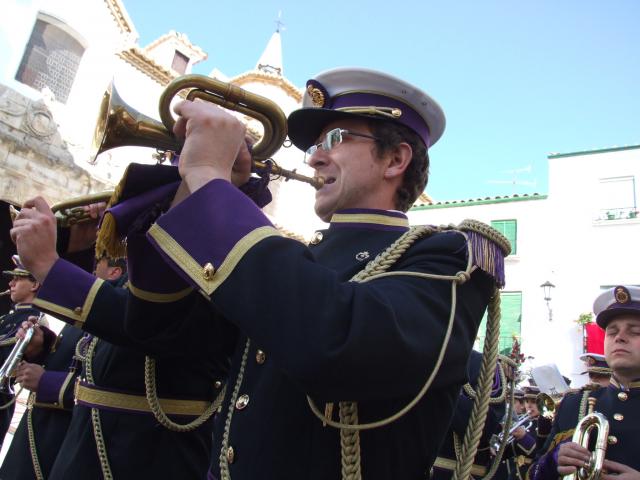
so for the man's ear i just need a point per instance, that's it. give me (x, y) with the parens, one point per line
(116, 272)
(35, 286)
(399, 159)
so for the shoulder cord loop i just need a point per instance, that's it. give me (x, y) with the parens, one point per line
(349, 428)
(151, 393)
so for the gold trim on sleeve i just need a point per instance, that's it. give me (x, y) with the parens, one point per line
(158, 297)
(191, 267)
(78, 315)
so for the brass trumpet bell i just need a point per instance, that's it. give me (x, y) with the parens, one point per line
(548, 404)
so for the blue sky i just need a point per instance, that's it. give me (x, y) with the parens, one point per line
(517, 79)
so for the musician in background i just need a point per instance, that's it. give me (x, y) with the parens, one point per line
(618, 313)
(48, 371)
(24, 288)
(597, 368)
(113, 431)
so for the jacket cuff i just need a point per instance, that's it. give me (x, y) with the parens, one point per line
(205, 236)
(69, 292)
(546, 468)
(55, 390)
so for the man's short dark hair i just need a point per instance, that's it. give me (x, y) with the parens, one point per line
(116, 262)
(389, 136)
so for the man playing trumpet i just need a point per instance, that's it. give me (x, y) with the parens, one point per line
(618, 313)
(317, 350)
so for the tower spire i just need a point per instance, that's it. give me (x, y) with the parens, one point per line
(271, 59)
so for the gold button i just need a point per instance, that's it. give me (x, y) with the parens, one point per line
(317, 238)
(612, 440)
(618, 416)
(231, 455)
(208, 271)
(77, 311)
(260, 357)
(623, 396)
(218, 384)
(242, 402)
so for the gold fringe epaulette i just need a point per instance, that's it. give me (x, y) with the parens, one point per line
(108, 242)
(488, 247)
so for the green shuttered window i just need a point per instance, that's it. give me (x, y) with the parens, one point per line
(509, 228)
(511, 304)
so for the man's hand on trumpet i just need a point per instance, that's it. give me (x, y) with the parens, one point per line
(28, 375)
(34, 233)
(83, 234)
(34, 349)
(214, 147)
(572, 456)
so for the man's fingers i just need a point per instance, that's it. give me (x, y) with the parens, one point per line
(39, 203)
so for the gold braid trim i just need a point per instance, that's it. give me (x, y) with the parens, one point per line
(350, 442)
(156, 408)
(37, 470)
(95, 415)
(485, 381)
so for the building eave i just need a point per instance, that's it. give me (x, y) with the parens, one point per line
(263, 77)
(193, 51)
(121, 17)
(480, 201)
(138, 59)
(593, 152)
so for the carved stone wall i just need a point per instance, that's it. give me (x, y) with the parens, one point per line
(34, 160)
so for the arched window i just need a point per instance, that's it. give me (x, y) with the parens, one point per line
(51, 58)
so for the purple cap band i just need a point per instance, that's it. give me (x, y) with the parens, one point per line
(409, 117)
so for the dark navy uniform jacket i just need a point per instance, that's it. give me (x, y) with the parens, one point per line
(52, 406)
(137, 446)
(311, 331)
(621, 407)
(9, 325)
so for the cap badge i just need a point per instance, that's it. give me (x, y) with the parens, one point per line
(362, 256)
(316, 95)
(591, 361)
(622, 295)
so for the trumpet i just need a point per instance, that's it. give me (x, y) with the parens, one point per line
(548, 404)
(497, 439)
(121, 125)
(6, 292)
(582, 436)
(14, 358)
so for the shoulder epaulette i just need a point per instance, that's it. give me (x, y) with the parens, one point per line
(488, 247)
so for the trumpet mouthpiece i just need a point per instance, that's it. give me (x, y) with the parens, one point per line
(318, 182)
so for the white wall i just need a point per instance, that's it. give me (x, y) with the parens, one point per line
(559, 240)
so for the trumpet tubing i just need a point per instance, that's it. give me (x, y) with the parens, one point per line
(6, 292)
(593, 422)
(12, 361)
(120, 125)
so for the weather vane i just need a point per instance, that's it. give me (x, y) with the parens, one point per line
(279, 23)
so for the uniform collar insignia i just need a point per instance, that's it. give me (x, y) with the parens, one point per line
(23, 306)
(616, 384)
(369, 218)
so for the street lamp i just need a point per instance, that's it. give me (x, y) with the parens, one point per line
(546, 288)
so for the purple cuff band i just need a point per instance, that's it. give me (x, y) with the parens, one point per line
(527, 442)
(148, 269)
(409, 117)
(211, 221)
(49, 386)
(66, 285)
